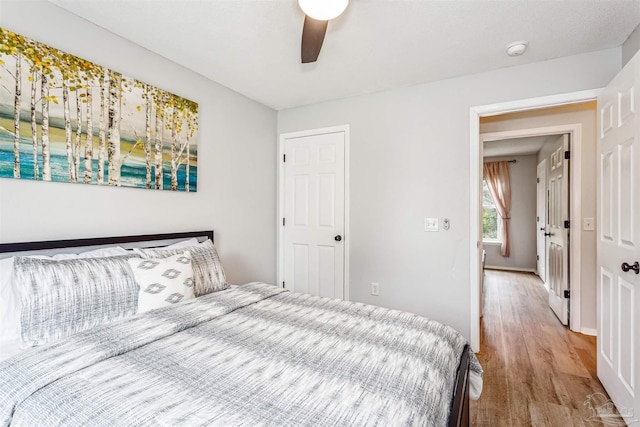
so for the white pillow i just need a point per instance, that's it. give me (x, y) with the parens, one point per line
(9, 303)
(62, 297)
(183, 244)
(163, 281)
(10, 298)
(96, 253)
(207, 268)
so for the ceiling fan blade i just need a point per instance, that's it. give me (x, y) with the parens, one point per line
(313, 33)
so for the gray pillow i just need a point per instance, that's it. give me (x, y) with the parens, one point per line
(207, 269)
(63, 297)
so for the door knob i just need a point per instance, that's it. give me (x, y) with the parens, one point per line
(547, 234)
(635, 267)
(338, 238)
(542, 229)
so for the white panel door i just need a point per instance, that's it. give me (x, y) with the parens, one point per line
(557, 232)
(619, 240)
(314, 214)
(541, 220)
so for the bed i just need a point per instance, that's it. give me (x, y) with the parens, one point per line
(253, 354)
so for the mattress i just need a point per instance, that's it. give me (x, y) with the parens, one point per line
(251, 355)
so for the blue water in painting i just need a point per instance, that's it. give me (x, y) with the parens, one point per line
(132, 174)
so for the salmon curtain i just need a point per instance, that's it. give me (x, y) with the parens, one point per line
(496, 174)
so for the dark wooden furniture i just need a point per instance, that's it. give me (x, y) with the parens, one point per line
(459, 413)
(102, 241)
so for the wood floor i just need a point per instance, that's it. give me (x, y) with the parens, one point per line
(536, 371)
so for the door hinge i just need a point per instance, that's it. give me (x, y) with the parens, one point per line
(284, 157)
(537, 257)
(567, 224)
(538, 180)
(283, 284)
(283, 221)
(567, 294)
(537, 219)
(567, 155)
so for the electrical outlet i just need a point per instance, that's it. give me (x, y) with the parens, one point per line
(375, 289)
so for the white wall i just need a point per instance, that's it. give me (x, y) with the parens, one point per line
(236, 177)
(410, 159)
(631, 46)
(584, 114)
(523, 216)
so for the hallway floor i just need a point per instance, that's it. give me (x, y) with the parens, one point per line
(537, 372)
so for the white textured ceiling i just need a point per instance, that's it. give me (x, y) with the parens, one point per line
(253, 46)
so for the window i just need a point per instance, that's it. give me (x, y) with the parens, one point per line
(490, 218)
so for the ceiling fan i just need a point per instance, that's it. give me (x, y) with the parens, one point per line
(317, 16)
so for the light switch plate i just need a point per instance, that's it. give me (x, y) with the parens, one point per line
(431, 224)
(588, 224)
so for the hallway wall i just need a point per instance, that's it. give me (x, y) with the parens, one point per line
(523, 217)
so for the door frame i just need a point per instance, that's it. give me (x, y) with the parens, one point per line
(475, 159)
(281, 190)
(574, 130)
(545, 203)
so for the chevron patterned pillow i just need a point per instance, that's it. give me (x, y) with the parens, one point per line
(163, 281)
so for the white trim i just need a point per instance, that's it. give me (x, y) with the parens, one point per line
(537, 103)
(347, 184)
(347, 165)
(589, 331)
(498, 267)
(476, 271)
(540, 131)
(475, 157)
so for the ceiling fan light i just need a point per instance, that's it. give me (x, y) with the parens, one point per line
(323, 10)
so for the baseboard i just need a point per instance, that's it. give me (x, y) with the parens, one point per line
(589, 331)
(523, 270)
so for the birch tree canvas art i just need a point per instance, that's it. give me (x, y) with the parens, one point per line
(63, 118)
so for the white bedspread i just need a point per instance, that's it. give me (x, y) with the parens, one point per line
(251, 355)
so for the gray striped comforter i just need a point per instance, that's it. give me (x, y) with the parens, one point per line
(254, 355)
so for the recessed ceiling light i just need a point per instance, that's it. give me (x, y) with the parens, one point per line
(517, 48)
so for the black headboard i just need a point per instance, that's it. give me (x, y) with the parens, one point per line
(103, 241)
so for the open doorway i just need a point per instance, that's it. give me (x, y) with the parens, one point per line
(537, 170)
(548, 116)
